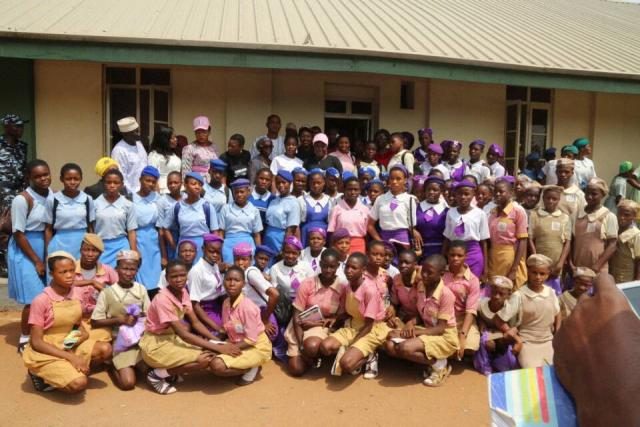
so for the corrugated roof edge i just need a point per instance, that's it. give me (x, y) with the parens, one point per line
(86, 49)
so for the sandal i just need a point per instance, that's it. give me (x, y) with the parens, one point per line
(22, 346)
(437, 377)
(39, 384)
(371, 367)
(160, 385)
(336, 369)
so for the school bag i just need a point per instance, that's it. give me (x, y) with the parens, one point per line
(284, 309)
(5, 216)
(56, 203)
(207, 215)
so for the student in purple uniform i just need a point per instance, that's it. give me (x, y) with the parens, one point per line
(425, 138)
(431, 217)
(315, 205)
(456, 167)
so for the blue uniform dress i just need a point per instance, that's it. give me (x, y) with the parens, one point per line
(24, 282)
(239, 225)
(113, 221)
(147, 217)
(261, 202)
(166, 204)
(192, 223)
(217, 197)
(69, 221)
(282, 212)
(315, 213)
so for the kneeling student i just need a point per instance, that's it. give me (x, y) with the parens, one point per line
(60, 351)
(438, 340)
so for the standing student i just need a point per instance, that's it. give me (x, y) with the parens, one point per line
(494, 154)
(316, 239)
(197, 156)
(287, 161)
(166, 203)
(239, 220)
(216, 191)
(618, 188)
(431, 217)
(261, 160)
(103, 165)
(343, 154)
(368, 158)
(283, 213)
(168, 346)
(508, 236)
(425, 138)
(438, 340)
(433, 161)
(260, 195)
(71, 212)
(374, 190)
(465, 286)
(366, 330)
(595, 231)
(454, 164)
(539, 314)
(585, 170)
(236, 158)
(351, 214)
(484, 198)
(332, 185)
(273, 124)
(299, 185)
(112, 311)
(129, 153)
(315, 206)
(305, 149)
(150, 243)
(401, 156)
(365, 176)
(320, 158)
(550, 233)
(572, 201)
(186, 253)
(26, 252)
(205, 285)
(326, 291)
(55, 358)
(245, 333)
(395, 213)
(163, 156)
(531, 197)
(115, 219)
(475, 165)
(582, 282)
(193, 216)
(468, 224)
(625, 262)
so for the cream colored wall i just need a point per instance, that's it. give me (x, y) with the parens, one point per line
(69, 121)
(572, 111)
(467, 111)
(616, 132)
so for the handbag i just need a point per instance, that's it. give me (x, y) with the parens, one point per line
(128, 336)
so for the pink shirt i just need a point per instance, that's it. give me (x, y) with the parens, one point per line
(242, 320)
(466, 290)
(439, 306)
(330, 299)
(353, 219)
(88, 295)
(380, 281)
(41, 313)
(370, 303)
(166, 308)
(406, 298)
(508, 225)
(346, 160)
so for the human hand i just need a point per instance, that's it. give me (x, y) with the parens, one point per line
(40, 268)
(270, 329)
(78, 363)
(462, 342)
(230, 349)
(97, 285)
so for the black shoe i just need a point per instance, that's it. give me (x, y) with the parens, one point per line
(39, 384)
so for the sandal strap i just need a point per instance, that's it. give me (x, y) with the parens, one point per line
(160, 385)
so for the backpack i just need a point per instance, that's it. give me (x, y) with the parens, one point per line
(56, 203)
(5, 217)
(207, 215)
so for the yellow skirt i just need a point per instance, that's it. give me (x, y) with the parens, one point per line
(367, 344)
(97, 334)
(167, 351)
(441, 346)
(473, 334)
(293, 349)
(252, 357)
(534, 355)
(54, 370)
(500, 261)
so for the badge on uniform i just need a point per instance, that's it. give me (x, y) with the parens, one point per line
(502, 226)
(239, 328)
(570, 198)
(318, 208)
(591, 227)
(555, 226)
(428, 215)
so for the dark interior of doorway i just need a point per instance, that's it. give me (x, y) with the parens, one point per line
(355, 129)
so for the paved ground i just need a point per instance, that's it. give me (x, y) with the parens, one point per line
(395, 398)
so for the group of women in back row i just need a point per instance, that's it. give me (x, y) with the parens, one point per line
(422, 263)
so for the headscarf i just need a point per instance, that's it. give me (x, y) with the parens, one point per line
(600, 184)
(629, 204)
(243, 249)
(293, 242)
(104, 164)
(501, 282)
(539, 260)
(61, 254)
(625, 167)
(94, 240)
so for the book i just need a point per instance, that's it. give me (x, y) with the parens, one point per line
(311, 314)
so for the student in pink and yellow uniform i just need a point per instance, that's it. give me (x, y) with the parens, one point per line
(438, 340)
(351, 214)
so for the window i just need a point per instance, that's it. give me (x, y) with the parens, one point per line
(144, 93)
(528, 120)
(407, 95)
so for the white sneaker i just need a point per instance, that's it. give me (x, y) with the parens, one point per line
(437, 377)
(371, 367)
(249, 376)
(336, 370)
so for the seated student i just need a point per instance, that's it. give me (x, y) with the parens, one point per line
(582, 282)
(465, 286)
(438, 340)
(498, 350)
(539, 314)
(168, 346)
(249, 347)
(316, 239)
(287, 275)
(262, 260)
(625, 262)
(404, 296)
(111, 312)
(366, 329)
(389, 256)
(304, 336)
(187, 251)
(205, 285)
(54, 357)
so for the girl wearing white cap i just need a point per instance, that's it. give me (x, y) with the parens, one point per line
(197, 155)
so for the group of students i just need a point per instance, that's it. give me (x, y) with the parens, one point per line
(419, 258)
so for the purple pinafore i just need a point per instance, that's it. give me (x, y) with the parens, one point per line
(317, 216)
(431, 226)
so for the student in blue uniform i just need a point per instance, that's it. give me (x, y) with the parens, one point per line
(216, 192)
(283, 213)
(71, 213)
(261, 196)
(150, 241)
(239, 220)
(26, 252)
(315, 205)
(166, 204)
(193, 216)
(115, 219)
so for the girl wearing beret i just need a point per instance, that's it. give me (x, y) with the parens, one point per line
(315, 206)
(283, 213)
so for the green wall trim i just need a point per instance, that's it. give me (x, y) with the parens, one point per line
(220, 57)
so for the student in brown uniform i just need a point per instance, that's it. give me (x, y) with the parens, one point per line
(625, 262)
(582, 282)
(572, 200)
